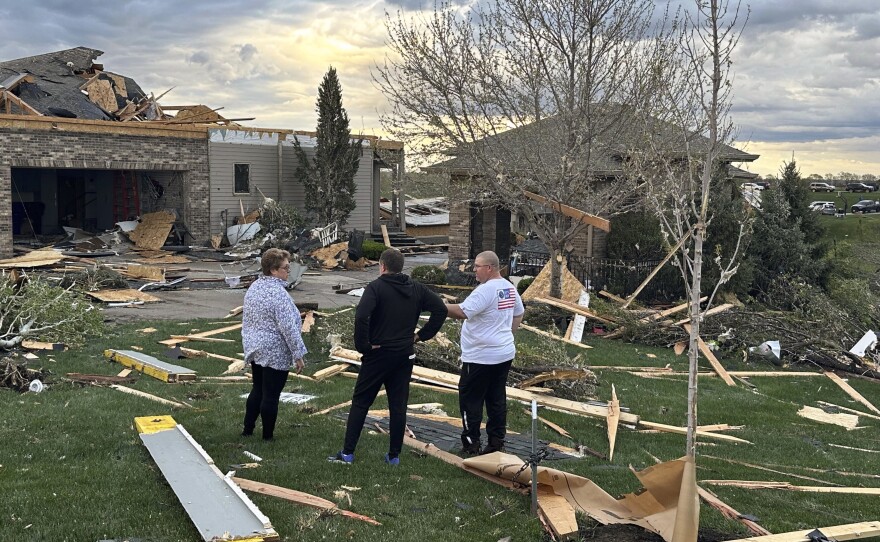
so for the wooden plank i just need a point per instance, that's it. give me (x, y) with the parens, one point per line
(729, 512)
(149, 396)
(556, 374)
(683, 431)
(123, 296)
(572, 307)
(670, 311)
(611, 296)
(554, 337)
(851, 391)
(755, 484)
(235, 312)
(385, 238)
(851, 531)
(551, 425)
(710, 312)
(37, 345)
(190, 353)
(558, 513)
(202, 339)
(330, 371)
(656, 270)
(308, 320)
(209, 333)
(10, 97)
(341, 405)
(298, 497)
(572, 212)
(849, 421)
(124, 373)
(613, 420)
(707, 353)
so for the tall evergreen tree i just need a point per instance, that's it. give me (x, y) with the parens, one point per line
(796, 192)
(328, 178)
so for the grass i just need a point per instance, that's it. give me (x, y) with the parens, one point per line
(73, 467)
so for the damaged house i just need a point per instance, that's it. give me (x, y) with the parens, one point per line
(86, 148)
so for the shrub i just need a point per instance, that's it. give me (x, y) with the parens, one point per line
(429, 274)
(372, 250)
(523, 284)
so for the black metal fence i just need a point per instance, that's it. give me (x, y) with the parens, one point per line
(620, 277)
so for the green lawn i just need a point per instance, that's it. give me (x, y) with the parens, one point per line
(73, 467)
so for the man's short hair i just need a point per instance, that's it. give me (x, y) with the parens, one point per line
(272, 260)
(489, 258)
(392, 259)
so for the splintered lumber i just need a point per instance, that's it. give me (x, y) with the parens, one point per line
(449, 379)
(729, 512)
(669, 311)
(218, 508)
(850, 410)
(656, 270)
(572, 307)
(683, 431)
(555, 374)
(190, 353)
(210, 333)
(150, 365)
(99, 379)
(707, 352)
(611, 296)
(342, 405)
(150, 396)
(851, 391)
(752, 484)
(235, 312)
(613, 421)
(202, 339)
(554, 337)
(330, 371)
(572, 212)
(551, 425)
(558, 513)
(851, 531)
(124, 295)
(768, 469)
(385, 238)
(849, 421)
(710, 312)
(308, 320)
(298, 497)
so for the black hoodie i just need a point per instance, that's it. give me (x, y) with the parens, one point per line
(389, 311)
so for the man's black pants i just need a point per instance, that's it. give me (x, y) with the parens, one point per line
(263, 399)
(393, 370)
(480, 385)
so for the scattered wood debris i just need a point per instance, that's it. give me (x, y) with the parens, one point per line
(751, 484)
(123, 296)
(299, 497)
(153, 230)
(851, 531)
(848, 421)
(36, 258)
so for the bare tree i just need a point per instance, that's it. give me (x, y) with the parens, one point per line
(680, 186)
(529, 96)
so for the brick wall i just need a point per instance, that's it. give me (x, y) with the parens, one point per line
(459, 231)
(79, 150)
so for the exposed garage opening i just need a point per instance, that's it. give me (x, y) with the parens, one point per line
(46, 199)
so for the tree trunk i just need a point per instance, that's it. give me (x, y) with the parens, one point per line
(556, 264)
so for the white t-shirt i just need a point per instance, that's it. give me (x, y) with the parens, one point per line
(486, 337)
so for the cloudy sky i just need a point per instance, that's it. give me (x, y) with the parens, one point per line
(807, 71)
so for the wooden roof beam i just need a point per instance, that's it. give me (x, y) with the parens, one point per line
(569, 211)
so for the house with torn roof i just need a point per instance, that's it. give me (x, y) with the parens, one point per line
(485, 223)
(83, 147)
(427, 219)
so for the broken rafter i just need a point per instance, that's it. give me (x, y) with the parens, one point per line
(851, 391)
(729, 512)
(10, 97)
(554, 337)
(572, 307)
(707, 353)
(752, 484)
(569, 211)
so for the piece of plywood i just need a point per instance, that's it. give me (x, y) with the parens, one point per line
(540, 286)
(851, 391)
(153, 230)
(149, 272)
(123, 296)
(850, 531)
(707, 353)
(845, 409)
(552, 336)
(558, 513)
(218, 508)
(164, 259)
(849, 421)
(35, 258)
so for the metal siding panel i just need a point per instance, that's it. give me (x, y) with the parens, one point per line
(263, 160)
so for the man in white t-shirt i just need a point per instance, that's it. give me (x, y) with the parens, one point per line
(491, 314)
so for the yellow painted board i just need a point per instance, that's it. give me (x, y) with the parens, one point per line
(156, 372)
(154, 424)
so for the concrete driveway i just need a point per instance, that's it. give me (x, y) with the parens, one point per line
(200, 301)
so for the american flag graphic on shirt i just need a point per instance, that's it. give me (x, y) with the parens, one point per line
(506, 298)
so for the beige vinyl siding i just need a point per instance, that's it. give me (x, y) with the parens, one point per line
(263, 161)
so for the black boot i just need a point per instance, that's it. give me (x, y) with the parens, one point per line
(469, 448)
(495, 445)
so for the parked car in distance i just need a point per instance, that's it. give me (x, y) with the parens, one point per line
(859, 187)
(822, 187)
(866, 206)
(818, 205)
(764, 184)
(751, 186)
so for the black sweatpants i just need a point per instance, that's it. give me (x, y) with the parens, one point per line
(480, 385)
(393, 370)
(263, 399)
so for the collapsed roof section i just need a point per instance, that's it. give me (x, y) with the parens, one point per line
(70, 84)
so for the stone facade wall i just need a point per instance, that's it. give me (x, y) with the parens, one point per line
(101, 151)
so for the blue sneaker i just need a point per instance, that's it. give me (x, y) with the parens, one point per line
(393, 461)
(340, 457)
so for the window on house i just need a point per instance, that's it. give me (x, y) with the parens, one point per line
(242, 178)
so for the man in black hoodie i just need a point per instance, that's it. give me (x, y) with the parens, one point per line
(384, 333)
